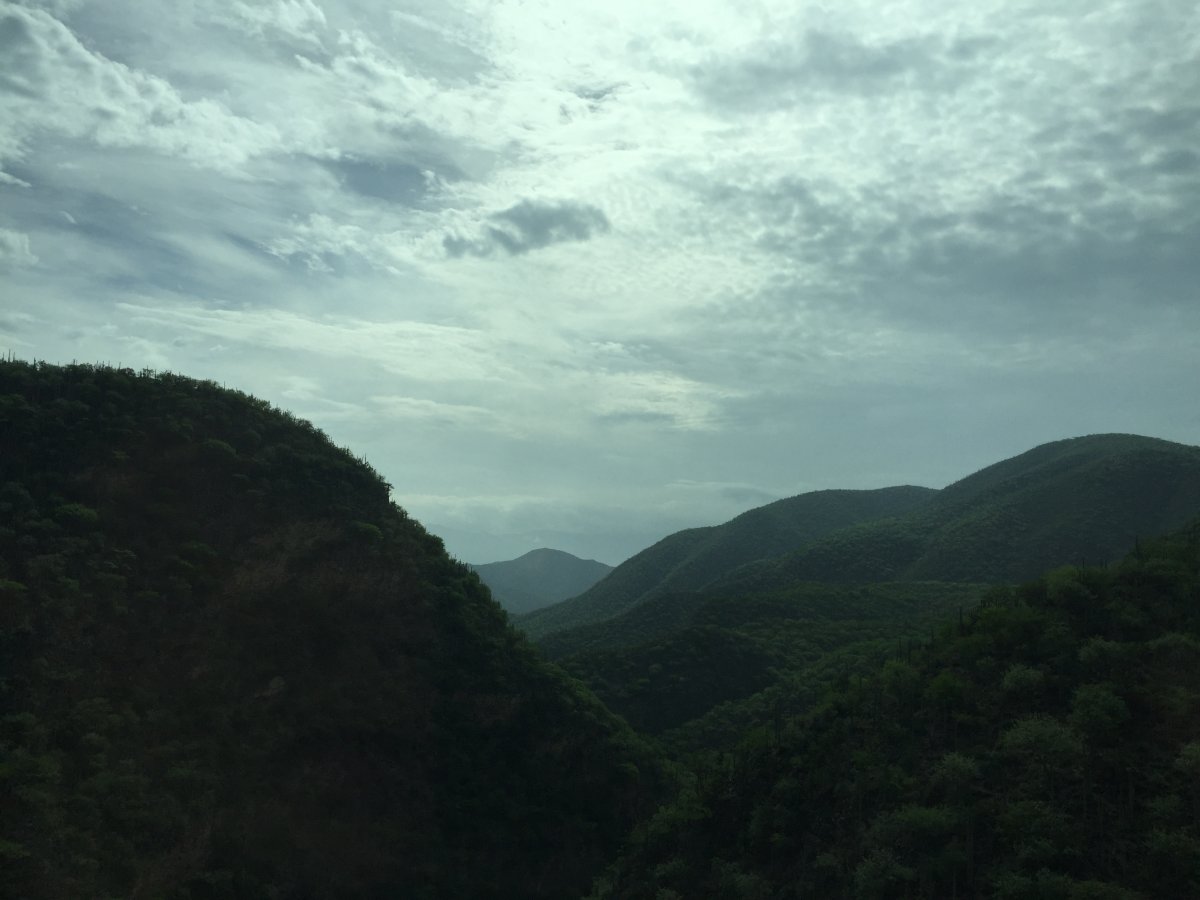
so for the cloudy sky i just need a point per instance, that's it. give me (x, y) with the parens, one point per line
(582, 274)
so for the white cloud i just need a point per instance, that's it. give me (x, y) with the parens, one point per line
(57, 86)
(15, 249)
(297, 19)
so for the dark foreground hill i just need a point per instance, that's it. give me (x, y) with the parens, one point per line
(695, 558)
(1046, 747)
(539, 578)
(231, 667)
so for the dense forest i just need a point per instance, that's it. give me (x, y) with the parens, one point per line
(1045, 746)
(232, 667)
(755, 643)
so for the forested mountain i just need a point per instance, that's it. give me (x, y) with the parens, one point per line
(693, 559)
(699, 669)
(231, 667)
(1080, 500)
(1046, 746)
(729, 665)
(539, 578)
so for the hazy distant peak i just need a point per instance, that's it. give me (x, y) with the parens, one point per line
(539, 578)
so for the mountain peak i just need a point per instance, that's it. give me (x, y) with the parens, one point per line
(539, 578)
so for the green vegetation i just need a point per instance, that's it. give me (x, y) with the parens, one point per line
(700, 673)
(692, 560)
(231, 667)
(1046, 746)
(1083, 500)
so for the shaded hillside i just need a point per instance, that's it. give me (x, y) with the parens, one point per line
(1080, 500)
(1046, 747)
(231, 667)
(728, 665)
(694, 559)
(801, 621)
(539, 578)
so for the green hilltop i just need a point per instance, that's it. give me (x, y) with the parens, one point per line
(1079, 500)
(231, 667)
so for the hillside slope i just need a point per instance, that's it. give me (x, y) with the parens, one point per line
(539, 578)
(733, 664)
(231, 667)
(693, 559)
(1084, 499)
(1047, 746)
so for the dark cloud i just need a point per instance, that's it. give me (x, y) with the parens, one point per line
(395, 182)
(413, 177)
(1102, 223)
(772, 74)
(531, 225)
(635, 417)
(596, 95)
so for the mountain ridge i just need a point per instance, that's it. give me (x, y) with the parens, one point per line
(692, 559)
(1082, 499)
(1077, 500)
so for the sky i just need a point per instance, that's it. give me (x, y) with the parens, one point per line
(579, 275)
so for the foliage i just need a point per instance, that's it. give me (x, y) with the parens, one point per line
(691, 560)
(1047, 747)
(1076, 501)
(707, 671)
(230, 667)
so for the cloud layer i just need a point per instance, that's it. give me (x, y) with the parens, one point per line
(583, 276)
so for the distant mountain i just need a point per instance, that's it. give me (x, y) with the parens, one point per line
(1081, 500)
(231, 667)
(539, 578)
(694, 559)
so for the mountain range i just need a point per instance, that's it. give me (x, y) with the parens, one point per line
(692, 559)
(1078, 500)
(231, 667)
(755, 641)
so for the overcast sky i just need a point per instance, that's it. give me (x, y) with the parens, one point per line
(581, 274)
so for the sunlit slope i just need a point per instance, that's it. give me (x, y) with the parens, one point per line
(231, 667)
(1082, 500)
(694, 559)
